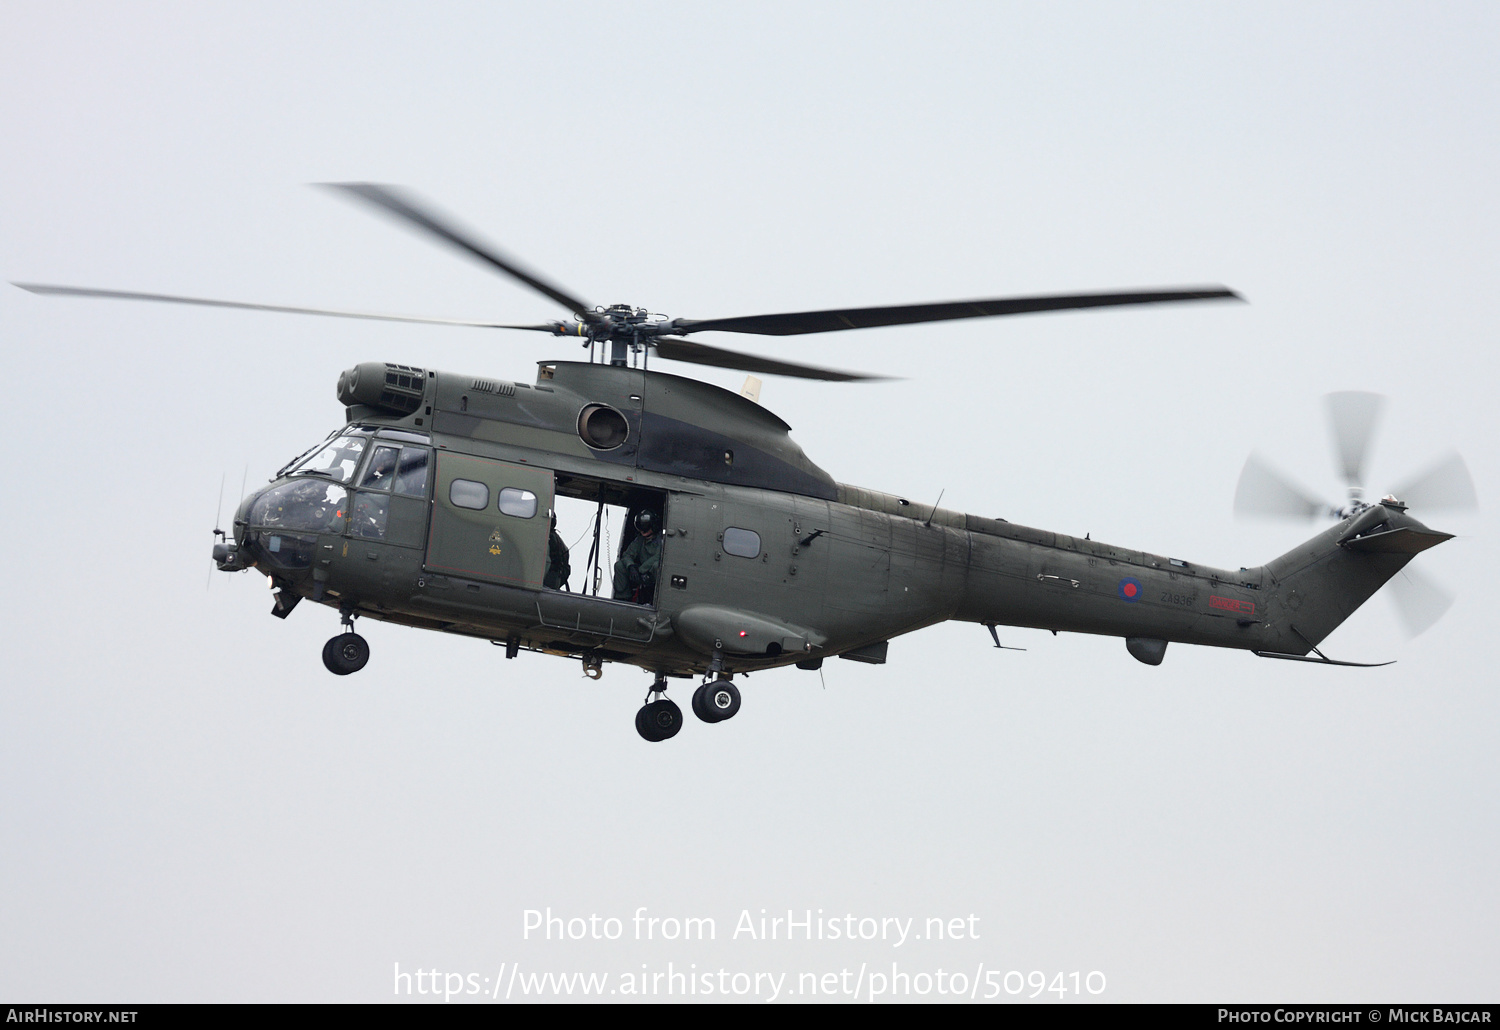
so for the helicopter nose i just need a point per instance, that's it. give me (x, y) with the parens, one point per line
(242, 513)
(227, 553)
(233, 553)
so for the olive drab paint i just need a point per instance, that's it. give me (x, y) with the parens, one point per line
(766, 560)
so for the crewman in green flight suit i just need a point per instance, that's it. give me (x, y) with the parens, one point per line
(558, 569)
(635, 572)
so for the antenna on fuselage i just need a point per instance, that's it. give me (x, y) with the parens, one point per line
(935, 504)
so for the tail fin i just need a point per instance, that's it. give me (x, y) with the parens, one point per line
(1319, 584)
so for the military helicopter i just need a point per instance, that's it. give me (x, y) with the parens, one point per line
(718, 547)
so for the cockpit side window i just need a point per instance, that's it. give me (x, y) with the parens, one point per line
(381, 470)
(369, 515)
(411, 472)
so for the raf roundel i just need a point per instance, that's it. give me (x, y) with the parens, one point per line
(1130, 589)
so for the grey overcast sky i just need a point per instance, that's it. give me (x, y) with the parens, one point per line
(192, 808)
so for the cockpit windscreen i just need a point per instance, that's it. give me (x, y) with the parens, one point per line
(337, 460)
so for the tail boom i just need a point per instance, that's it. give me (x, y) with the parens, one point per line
(1025, 577)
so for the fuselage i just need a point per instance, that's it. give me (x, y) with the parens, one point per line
(430, 510)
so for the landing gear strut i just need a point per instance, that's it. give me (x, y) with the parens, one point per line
(659, 719)
(348, 652)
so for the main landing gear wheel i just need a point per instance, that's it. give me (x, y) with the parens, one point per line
(658, 720)
(346, 653)
(716, 701)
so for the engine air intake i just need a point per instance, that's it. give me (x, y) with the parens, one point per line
(394, 388)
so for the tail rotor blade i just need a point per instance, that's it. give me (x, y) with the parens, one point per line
(1419, 601)
(1446, 485)
(1263, 491)
(1353, 417)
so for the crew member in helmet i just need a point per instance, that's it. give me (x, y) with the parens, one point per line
(558, 569)
(635, 572)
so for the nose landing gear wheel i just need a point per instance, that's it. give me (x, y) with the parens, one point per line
(658, 720)
(346, 653)
(716, 701)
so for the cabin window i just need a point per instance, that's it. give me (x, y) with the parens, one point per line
(465, 493)
(520, 503)
(744, 543)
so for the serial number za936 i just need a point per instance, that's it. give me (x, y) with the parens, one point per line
(1185, 600)
(1035, 982)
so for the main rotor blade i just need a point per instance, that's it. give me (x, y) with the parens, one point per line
(796, 323)
(1419, 601)
(81, 291)
(405, 207)
(1264, 491)
(1446, 484)
(676, 349)
(1353, 417)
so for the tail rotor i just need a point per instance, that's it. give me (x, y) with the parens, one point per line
(1353, 418)
(1420, 601)
(1445, 486)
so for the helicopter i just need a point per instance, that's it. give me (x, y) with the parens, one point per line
(717, 546)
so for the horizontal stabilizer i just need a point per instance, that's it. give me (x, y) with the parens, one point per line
(1406, 540)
